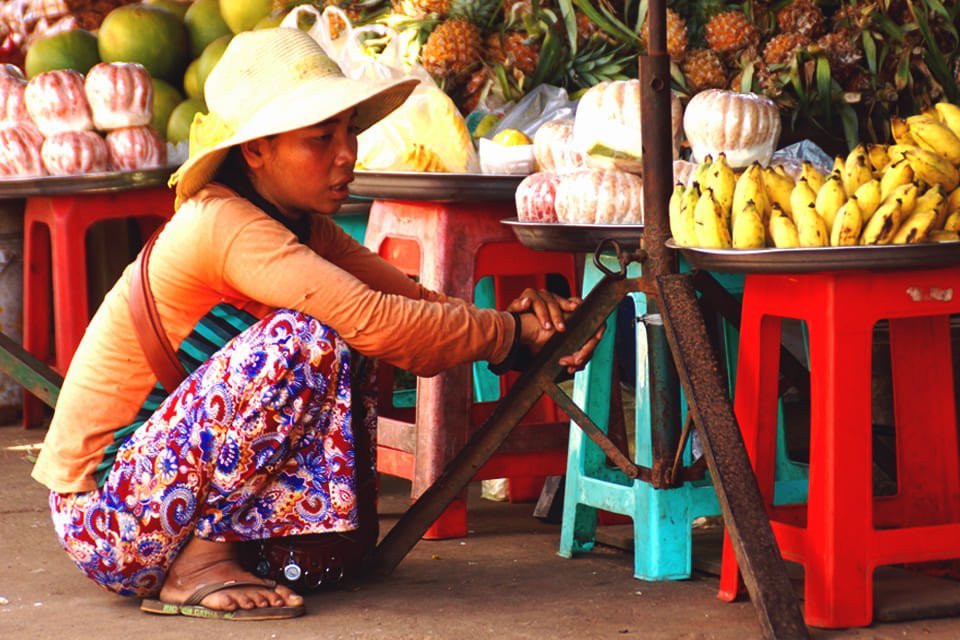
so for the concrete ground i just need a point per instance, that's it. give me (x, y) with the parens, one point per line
(503, 581)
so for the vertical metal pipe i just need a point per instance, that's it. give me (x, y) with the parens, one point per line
(657, 129)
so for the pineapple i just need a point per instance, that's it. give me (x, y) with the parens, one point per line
(802, 17)
(781, 48)
(587, 29)
(521, 52)
(842, 53)
(475, 90)
(452, 49)
(730, 31)
(703, 69)
(420, 9)
(676, 35)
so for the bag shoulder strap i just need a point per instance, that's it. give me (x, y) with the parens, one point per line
(146, 322)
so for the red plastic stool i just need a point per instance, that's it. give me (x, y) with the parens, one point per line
(55, 258)
(845, 532)
(450, 246)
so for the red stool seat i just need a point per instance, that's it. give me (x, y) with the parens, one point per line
(55, 257)
(844, 532)
(450, 246)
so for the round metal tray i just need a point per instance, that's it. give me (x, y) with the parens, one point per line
(804, 260)
(434, 187)
(85, 183)
(580, 238)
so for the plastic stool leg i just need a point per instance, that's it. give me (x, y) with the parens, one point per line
(37, 299)
(838, 589)
(923, 402)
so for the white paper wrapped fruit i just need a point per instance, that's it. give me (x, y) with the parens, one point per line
(536, 197)
(13, 106)
(554, 148)
(57, 102)
(600, 196)
(120, 95)
(133, 148)
(744, 126)
(20, 151)
(607, 126)
(75, 152)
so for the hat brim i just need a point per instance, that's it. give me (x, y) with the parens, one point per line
(312, 101)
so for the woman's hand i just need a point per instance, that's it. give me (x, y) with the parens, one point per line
(542, 314)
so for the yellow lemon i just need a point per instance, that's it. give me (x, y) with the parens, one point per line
(511, 138)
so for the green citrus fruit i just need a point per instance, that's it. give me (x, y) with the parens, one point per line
(191, 80)
(178, 127)
(204, 25)
(152, 36)
(165, 99)
(74, 49)
(176, 7)
(242, 15)
(210, 57)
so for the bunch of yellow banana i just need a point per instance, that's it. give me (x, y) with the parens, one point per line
(907, 192)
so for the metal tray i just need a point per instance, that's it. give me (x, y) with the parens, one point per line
(434, 187)
(804, 260)
(579, 238)
(85, 183)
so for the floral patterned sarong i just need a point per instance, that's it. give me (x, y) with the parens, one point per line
(257, 442)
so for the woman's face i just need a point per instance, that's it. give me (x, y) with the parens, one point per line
(306, 171)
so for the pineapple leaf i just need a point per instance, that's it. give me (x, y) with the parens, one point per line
(746, 78)
(851, 126)
(570, 21)
(608, 22)
(642, 10)
(547, 67)
(933, 56)
(888, 26)
(901, 78)
(870, 51)
(823, 85)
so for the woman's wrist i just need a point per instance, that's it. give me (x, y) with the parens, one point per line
(516, 353)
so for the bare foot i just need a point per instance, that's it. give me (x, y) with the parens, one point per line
(202, 562)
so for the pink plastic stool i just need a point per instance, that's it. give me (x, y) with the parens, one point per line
(450, 246)
(844, 532)
(55, 258)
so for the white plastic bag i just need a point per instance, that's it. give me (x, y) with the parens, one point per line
(426, 133)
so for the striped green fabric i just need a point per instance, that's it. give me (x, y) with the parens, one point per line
(213, 330)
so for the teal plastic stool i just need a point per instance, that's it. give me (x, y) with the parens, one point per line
(662, 518)
(486, 385)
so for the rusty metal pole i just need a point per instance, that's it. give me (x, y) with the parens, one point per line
(657, 132)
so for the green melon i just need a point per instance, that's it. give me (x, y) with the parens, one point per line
(178, 127)
(243, 15)
(204, 25)
(74, 49)
(165, 99)
(209, 58)
(191, 81)
(152, 36)
(176, 7)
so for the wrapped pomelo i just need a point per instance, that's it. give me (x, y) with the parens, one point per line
(535, 197)
(20, 151)
(600, 196)
(13, 106)
(74, 152)
(120, 95)
(744, 126)
(133, 148)
(57, 102)
(554, 148)
(607, 126)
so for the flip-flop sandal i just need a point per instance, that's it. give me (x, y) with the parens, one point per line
(192, 607)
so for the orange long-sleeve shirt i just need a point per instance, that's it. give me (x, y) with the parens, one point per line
(220, 248)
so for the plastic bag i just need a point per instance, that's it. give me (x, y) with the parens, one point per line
(543, 104)
(426, 133)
